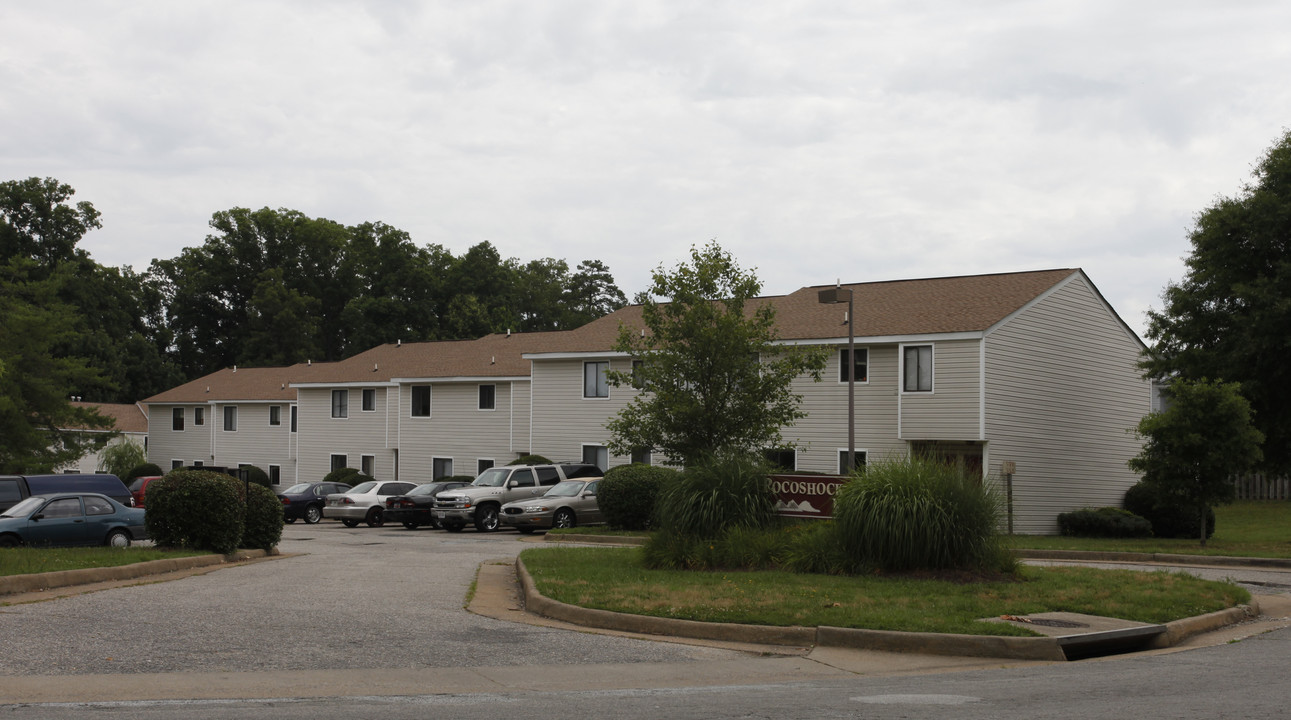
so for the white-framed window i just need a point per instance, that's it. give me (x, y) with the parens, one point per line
(488, 397)
(293, 418)
(781, 458)
(440, 468)
(176, 464)
(861, 366)
(483, 464)
(198, 463)
(843, 469)
(339, 460)
(177, 419)
(597, 455)
(369, 400)
(641, 456)
(275, 474)
(275, 414)
(340, 403)
(595, 382)
(230, 418)
(368, 465)
(421, 401)
(199, 416)
(916, 368)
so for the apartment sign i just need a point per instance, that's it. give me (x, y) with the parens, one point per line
(806, 496)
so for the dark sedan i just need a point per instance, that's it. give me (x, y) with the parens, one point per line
(306, 500)
(417, 507)
(64, 519)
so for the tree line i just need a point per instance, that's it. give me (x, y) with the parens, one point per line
(266, 287)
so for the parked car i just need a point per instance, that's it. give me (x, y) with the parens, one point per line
(139, 488)
(16, 487)
(306, 500)
(481, 502)
(63, 519)
(364, 502)
(417, 508)
(567, 504)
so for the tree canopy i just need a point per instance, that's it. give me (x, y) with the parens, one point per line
(1192, 449)
(712, 377)
(1230, 316)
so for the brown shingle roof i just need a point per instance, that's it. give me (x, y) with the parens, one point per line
(240, 383)
(126, 418)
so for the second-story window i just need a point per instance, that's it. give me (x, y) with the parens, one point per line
(275, 414)
(488, 397)
(595, 384)
(421, 401)
(369, 400)
(230, 418)
(340, 403)
(917, 368)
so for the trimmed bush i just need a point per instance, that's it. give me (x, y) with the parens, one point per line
(718, 494)
(342, 475)
(1168, 518)
(144, 470)
(196, 509)
(740, 548)
(1104, 522)
(629, 493)
(256, 476)
(263, 512)
(530, 460)
(920, 514)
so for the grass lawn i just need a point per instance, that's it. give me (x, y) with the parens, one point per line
(25, 560)
(613, 579)
(1256, 528)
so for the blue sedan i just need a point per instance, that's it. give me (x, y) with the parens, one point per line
(62, 519)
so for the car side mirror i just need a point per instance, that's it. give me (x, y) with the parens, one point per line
(38, 516)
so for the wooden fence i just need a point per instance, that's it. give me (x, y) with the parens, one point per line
(1258, 486)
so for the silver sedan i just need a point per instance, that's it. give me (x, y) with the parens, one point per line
(566, 504)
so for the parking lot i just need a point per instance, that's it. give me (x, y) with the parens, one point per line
(345, 598)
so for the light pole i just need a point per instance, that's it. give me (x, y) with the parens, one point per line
(830, 297)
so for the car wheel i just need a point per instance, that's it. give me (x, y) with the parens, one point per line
(376, 517)
(313, 514)
(486, 518)
(118, 538)
(289, 520)
(564, 518)
(411, 525)
(525, 530)
(9, 541)
(350, 522)
(454, 528)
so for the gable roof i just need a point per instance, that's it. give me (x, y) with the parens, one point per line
(127, 418)
(235, 383)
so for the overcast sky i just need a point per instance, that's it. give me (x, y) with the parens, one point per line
(816, 141)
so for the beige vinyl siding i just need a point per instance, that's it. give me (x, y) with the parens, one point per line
(458, 429)
(1062, 394)
(191, 444)
(255, 442)
(824, 431)
(520, 416)
(952, 411)
(563, 420)
(359, 434)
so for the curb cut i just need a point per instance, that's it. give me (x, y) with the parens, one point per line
(38, 582)
(989, 646)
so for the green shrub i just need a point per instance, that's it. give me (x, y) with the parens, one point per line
(629, 493)
(719, 493)
(342, 475)
(920, 514)
(816, 547)
(196, 509)
(1169, 519)
(256, 476)
(144, 470)
(1104, 522)
(530, 460)
(263, 512)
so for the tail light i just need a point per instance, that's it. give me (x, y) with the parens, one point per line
(285, 501)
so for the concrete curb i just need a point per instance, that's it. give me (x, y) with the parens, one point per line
(632, 540)
(1156, 558)
(989, 646)
(38, 582)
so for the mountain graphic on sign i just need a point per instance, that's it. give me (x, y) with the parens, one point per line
(795, 506)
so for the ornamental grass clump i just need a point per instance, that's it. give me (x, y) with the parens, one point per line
(920, 513)
(720, 493)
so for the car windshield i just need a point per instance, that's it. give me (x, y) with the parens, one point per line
(428, 489)
(24, 508)
(568, 488)
(296, 489)
(361, 488)
(492, 478)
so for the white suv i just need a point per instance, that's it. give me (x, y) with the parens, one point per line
(482, 500)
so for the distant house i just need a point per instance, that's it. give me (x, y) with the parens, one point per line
(129, 420)
(1032, 373)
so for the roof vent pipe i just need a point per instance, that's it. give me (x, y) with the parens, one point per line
(493, 360)
(235, 368)
(374, 367)
(398, 343)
